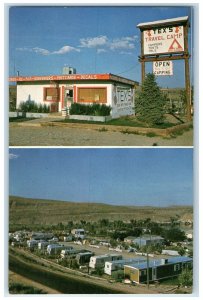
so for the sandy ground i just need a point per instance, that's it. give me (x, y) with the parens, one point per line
(67, 136)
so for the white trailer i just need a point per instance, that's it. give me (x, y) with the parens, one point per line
(32, 244)
(99, 261)
(42, 245)
(55, 248)
(69, 252)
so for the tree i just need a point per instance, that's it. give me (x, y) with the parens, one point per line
(186, 278)
(174, 235)
(149, 106)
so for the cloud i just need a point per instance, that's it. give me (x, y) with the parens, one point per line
(102, 42)
(13, 156)
(94, 42)
(123, 43)
(41, 51)
(63, 50)
(126, 52)
(101, 50)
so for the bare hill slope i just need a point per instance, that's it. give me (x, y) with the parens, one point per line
(46, 212)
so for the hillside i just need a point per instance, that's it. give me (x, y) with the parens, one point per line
(46, 212)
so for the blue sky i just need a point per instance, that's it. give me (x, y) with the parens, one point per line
(125, 176)
(100, 39)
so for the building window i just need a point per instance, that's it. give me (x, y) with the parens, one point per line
(177, 267)
(143, 272)
(93, 95)
(51, 94)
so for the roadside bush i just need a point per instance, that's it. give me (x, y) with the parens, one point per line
(118, 275)
(98, 271)
(92, 109)
(31, 106)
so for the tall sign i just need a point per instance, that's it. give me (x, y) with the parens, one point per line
(166, 40)
(163, 40)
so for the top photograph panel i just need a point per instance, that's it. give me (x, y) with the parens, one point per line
(101, 75)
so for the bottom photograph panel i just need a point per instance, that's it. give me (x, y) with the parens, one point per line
(100, 221)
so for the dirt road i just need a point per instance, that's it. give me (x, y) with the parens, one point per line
(66, 136)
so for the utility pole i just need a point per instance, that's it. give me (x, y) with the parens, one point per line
(147, 270)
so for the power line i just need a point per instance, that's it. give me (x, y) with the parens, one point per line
(132, 68)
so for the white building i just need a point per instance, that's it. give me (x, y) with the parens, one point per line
(59, 91)
(78, 233)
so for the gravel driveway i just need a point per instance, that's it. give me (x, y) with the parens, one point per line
(66, 136)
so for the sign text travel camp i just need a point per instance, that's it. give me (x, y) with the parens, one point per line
(163, 40)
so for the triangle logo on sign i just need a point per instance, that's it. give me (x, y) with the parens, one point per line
(175, 46)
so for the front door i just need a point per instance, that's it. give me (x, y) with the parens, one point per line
(68, 96)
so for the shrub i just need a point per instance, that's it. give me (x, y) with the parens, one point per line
(118, 275)
(31, 106)
(92, 109)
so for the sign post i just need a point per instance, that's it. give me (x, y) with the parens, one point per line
(164, 41)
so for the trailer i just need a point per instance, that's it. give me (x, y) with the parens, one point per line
(157, 269)
(99, 261)
(83, 258)
(56, 248)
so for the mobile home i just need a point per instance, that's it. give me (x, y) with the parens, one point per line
(158, 269)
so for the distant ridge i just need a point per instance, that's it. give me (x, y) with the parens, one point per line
(45, 212)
